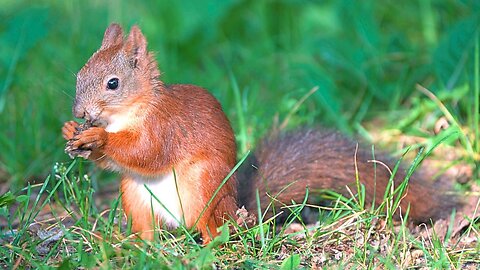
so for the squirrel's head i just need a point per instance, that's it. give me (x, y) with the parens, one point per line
(120, 75)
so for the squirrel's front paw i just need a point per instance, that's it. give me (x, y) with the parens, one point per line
(92, 138)
(68, 130)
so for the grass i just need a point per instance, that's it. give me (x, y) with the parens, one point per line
(385, 73)
(83, 236)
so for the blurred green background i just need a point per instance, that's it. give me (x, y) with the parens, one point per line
(365, 56)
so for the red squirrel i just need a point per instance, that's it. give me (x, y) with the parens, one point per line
(177, 141)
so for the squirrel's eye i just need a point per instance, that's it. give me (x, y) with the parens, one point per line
(112, 84)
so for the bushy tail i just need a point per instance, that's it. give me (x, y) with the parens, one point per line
(326, 161)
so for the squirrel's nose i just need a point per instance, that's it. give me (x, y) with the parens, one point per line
(79, 114)
(78, 108)
(78, 111)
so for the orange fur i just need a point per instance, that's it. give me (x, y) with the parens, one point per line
(147, 130)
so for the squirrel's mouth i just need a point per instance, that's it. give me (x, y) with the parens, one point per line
(95, 119)
(99, 122)
(96, 122)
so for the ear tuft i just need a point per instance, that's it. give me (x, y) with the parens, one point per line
(136, 45)
(113, 36)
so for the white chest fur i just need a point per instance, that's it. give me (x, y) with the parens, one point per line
(120, 122)
(165, 202)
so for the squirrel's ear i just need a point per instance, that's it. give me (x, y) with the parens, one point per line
(113, 36)
(136, 45)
